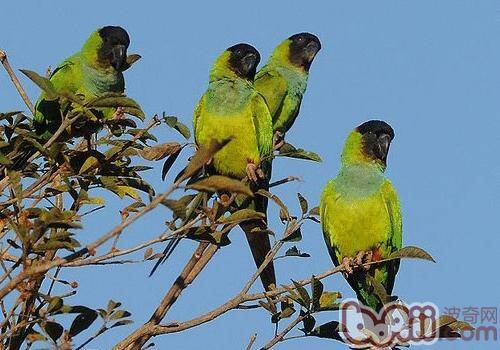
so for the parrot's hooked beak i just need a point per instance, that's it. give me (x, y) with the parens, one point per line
(249, 63)
(383, 143)
(118, 57)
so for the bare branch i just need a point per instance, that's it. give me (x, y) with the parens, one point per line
(281, 335)
(15, 81)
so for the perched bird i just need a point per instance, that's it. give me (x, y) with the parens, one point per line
(283, 80)
(94, 70)
(231, 109)
(360, 212)
(282, 83)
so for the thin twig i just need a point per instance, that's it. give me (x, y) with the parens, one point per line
(42, 268)
(15, 81)
(251, 341)
(116, 253)
(284, 181)
(231, 304)
(281, 335)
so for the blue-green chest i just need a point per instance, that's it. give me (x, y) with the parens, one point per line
(296, 81)
(358, 181)
(226, 97)
(98, 82)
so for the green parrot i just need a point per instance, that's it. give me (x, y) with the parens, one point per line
(360, 212)
(94, 70)
(283, 80)
(282, 83)
(231, 108)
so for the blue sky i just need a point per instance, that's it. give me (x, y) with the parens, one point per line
(429, 68)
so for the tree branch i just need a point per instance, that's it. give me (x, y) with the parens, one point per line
(15, 81)
(281, 335)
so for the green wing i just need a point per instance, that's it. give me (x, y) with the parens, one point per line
(196, 117)
(48, 113)
(327, 197)
(395, 240)
(273, 87)
(263, 125)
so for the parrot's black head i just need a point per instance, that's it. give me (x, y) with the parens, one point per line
(114, 48)
(243, 60)
(303, 49)
(377, 136)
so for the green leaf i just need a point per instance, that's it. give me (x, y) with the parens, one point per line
(292, 294)
(121, 323)
(54, 330)
(241, 216)
(120, 314)
(286, 312)
(43, 83)
(317, 291)
(314, 211)
(160, 151)
(294, 236)
(206, 234)
(328, 301)
(174, 123)
(179, 206)
(15, 182)
(113, 100)
(202, 156)
(304, 206)
(412, 253)
(269, 306)
(303, 294)
(379, 289)
(82, 322)
(287, 150)
(276, 200)
(5, 160)
(34, 336)
(55, 304)
(183, 130)
(328, 330)
(169, 162)
(294, 251)
(221, 183)
(113, 305)
(308, 322)
(9, 115)
(90, 163)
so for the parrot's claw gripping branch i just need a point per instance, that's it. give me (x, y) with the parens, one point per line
(254, 173)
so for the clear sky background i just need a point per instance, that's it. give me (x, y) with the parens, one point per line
(429, 68)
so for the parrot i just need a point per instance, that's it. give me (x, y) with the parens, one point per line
(360, 213)
(283, 80)
(96, 69)
(231, 109)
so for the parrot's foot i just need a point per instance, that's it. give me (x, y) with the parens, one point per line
(254, 173)
(347, 265)
(363, 258)
(278, 140)
(119, 113)
(225, 199)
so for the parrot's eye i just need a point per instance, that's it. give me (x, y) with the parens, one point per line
(300, 39)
